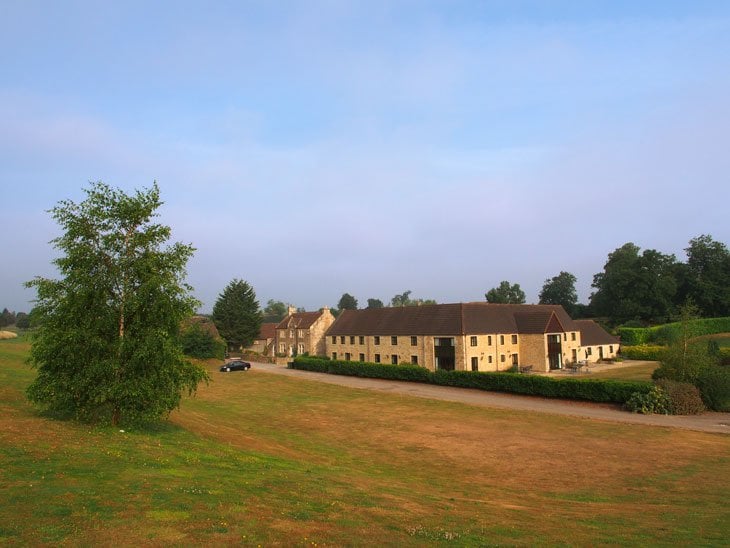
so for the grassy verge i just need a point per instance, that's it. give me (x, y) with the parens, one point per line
(638, 372)
(265, 459)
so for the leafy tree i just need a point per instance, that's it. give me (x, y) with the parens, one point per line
(347, 302)
(560, 290)
(375, 303)
(404, 299)
(275, 311)
(6, 318)
(708, 276)
(22, 320)
(685, 359)
(107, 345)
(506, 293)
(198, 342)
(635, 286)
(236, 314)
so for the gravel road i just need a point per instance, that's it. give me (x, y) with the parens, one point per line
(708, 422)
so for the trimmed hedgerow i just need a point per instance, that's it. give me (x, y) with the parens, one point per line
(670, 332)
(643, 352)
(597, 390)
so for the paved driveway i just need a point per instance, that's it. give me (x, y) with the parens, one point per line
(708, 422)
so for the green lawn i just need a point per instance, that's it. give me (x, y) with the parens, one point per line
(639, 372)
(258, 459)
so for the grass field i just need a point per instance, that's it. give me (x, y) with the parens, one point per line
(639, 372)
(258, 459)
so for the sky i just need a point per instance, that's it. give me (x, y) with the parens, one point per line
(318, 147)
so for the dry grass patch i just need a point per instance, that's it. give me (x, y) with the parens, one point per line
(265, 459)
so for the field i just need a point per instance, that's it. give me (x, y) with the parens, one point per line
(260, 459)
(641, 371)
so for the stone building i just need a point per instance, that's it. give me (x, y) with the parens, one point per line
(596, 343)
(461, 336)
(303, 333)
(264, 343)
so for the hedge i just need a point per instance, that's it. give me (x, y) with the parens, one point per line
(668, 333)
(597, 390)
(643, 352)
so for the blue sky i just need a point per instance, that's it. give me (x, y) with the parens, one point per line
(321, 147)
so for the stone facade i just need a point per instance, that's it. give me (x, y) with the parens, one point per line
(482, 337)
(303, 333)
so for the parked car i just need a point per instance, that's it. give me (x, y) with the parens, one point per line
(235, 365)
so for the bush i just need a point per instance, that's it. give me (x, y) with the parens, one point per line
(671, 332)
(643, 352)
(198, 343)
(597, 390)
(684, 398)
(632, 336)
(655, 401)
(714, 386)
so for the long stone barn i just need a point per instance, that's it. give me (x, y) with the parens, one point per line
(468, 337)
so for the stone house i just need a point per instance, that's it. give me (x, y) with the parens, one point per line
(596, 343)
(462, 336)
(264, 343)
(303, 333)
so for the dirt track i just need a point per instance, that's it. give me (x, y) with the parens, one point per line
(708, 422)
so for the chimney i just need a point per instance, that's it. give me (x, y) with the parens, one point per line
(291, 310)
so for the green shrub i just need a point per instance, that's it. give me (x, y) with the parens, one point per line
(655, 401)
(632, 336)
(380, 371)
(725, 355)
(597, 390)
(714, 385)
(643, 352)
(684, 398)
(668, 333)
(198, 343)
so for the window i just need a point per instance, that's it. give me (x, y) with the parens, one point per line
(347, 356)
(414, 360)
(489, 340)
(394, 359)
(572, 336)
(282, 348)
(565, 336)
(334, 355)
(376, 340)
(394, 340)
(610, 349)
(362, 357)
(414, 341)
(352, 339)
(301, 333)
(489, 359)
(472, 341)
(362, 340)
(377, 358)
(475, 364)
(501, 358)
(300, 349)
(589, 351)
(501, 339)
(514, 339)
(291, 333)
(342, 339)
(334, 339)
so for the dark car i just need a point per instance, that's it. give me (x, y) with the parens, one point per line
(236, 365)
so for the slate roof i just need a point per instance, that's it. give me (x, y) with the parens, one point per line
(299, 320)
(453, 319)
(592, 334)
(268, 331)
